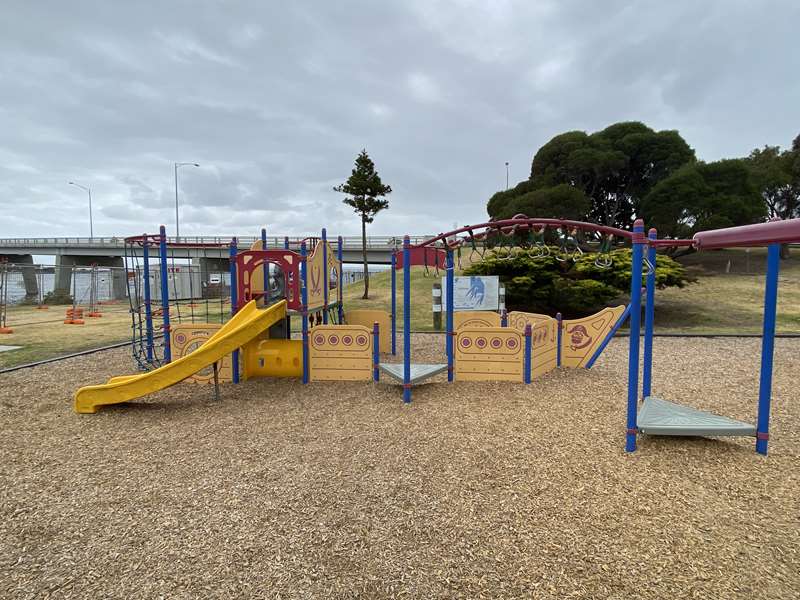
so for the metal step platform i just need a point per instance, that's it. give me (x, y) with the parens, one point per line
(419, 372)
(662, 417)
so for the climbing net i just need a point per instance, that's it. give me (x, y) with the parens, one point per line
(172, 286)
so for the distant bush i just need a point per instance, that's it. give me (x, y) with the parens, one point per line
(53, 298)
(574, 288)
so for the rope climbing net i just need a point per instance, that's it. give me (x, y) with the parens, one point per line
(169, 285)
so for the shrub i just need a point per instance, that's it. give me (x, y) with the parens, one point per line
(575, 288)
(57, 297)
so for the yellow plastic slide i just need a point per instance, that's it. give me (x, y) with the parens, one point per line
(249, 322)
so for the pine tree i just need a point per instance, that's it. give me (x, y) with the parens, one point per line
(365, 192)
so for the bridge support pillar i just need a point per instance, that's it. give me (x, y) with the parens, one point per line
(25, 264)
(63, 275)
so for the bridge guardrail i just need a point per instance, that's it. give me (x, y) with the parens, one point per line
(272, 241)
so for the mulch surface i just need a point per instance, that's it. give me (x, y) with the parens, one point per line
(339, 490)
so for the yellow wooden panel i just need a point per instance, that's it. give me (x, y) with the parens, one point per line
(581, 337)
(518, 319)
(186, 338)
(340, 352)
(488, 354)
(544, 342)
(367, 318)
(544, 347)
(319, 276)
(475, 318)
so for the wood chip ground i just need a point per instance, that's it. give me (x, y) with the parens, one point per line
(340, 491)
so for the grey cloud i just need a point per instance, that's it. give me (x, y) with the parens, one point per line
(275, 100)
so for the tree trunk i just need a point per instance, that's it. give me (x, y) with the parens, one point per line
(364, 256)
(784, 251)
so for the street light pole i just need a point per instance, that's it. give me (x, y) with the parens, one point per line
(88, 190)
(506, 174)
(177, 221)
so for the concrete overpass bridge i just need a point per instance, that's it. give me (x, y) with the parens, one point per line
(211, 253)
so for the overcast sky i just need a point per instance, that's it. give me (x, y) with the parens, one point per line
(275, 99)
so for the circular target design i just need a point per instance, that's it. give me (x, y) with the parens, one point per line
(347, 340)
(496, 343)
(361, 340)
(319, 340)
(333, 340)
(481, 343)
(511, 343)
(191, 347)
(466, 342)
(180, 338)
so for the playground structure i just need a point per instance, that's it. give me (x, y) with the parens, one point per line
(524, 346)
(656, 415)
(172, 297)
(341, 347)
(479, 338)
(283, 281)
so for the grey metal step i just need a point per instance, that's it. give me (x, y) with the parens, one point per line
(419, 372)
(662, 417)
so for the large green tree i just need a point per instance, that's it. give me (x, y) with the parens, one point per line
(365, 194)
(776, 176)
(704, 196)
(557, 202)
(614, 168)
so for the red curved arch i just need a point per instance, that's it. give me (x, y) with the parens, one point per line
(526, 223)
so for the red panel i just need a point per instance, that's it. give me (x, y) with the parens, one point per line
(247, 262)
(762, 234)
(421, 254)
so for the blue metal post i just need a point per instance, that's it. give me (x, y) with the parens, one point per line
(234, 307)
(638, 242)
(449, 314)
(162, 251)
(406, 319)
(286, 242)
(340, 282)
(526, 369)
(394, 304)
(325, 276)
(767, 347)
(649, 315)
(504, 318)
(620, 322)
(558, 340)
(266, 267)
(148, 308)
(376, 352)
(304, 308)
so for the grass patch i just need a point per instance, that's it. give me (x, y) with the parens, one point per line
(42, 333)
(727, 298)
